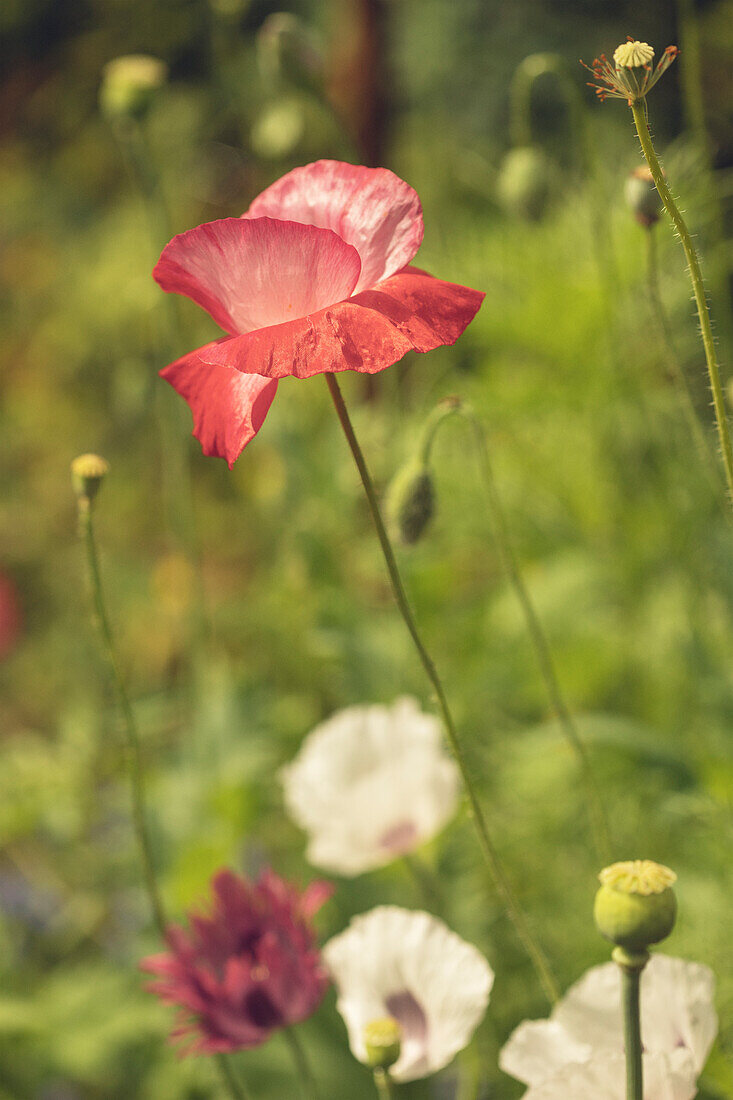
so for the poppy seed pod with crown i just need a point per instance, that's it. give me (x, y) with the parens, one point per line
(636, 906)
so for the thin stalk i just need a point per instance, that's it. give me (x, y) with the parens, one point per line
(630, 1002)
(596, 812)
(233, 1085)
(425, 880)
(134, 751)
(501, 882)
(302, 1067)
(638, 109)
(678, 373)
(383, 1081)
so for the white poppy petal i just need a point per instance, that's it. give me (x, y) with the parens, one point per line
(409, 965)
(370, 784)
(538, 1048)
(604, 1078)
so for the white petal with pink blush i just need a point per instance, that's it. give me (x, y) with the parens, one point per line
(371, 784)
(412, 967)
(581, 1045)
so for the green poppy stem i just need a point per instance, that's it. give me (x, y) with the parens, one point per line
(132, 737)
(383, 1081)
(631, 967)
(638, 109)
(675, 364)
(233, 1085)
(496, 871)
(304, 1072)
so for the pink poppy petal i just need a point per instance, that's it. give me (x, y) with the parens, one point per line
(228, 407)
(370, 208)
(250, 274)
(411, 311)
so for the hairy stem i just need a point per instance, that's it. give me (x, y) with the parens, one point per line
(638, 108)
(132, 737)
(501, 882)
(674, 362)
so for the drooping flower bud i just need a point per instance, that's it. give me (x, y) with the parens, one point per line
(129, 85)
(636, 906)
(524, 184)
(410, 501)
(87, 473)
(382, 1042)
(288, 48)
(642, 197)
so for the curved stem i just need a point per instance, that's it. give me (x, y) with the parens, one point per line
(383, 1081)
(543, 653)
(426, 881)
(674, 362)
(302, 1066)
(501, 883)
(234, 1086)
(638, 109)
(134, 752)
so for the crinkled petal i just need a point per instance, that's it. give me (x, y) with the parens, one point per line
(370, 208)
(411, 311)
(604, 1076)
(228, 407)
(250, 274)
(391, 961)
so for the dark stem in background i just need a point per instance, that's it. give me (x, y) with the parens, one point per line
(501, 883)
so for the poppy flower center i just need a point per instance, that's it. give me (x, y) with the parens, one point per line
(399, 838)
(409, 1014)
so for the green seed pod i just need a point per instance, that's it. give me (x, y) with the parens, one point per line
(642, 197)
(383, 1042)
(410, 502)
(87, 474)
(636, 905)
(524, 184)
(130, 84)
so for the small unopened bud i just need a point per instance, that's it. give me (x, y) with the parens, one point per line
(642, 197)
(129, 85)
(87, 474)
(636, 905)
(633, 55)
(410, 502)
(524, 184)
(383, 1042)
(288, 47)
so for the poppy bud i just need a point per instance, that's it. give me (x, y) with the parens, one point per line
(636, 905)
(410, 501)
(129, 85)
(288, 48)
(87, 472)
(383, 1042)
(642, 197)
(525, 182)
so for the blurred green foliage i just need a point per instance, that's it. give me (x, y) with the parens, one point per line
(625, 546)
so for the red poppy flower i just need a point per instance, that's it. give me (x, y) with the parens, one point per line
(313, 278)
(248, 967)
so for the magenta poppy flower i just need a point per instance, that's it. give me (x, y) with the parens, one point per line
(11, 616)
(314, 278)
(249, 966)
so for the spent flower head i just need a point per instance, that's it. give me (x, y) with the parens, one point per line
(630, 76)
(129, 85)
(636, 906)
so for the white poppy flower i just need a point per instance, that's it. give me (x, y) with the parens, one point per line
(578, 1052)
(371, 784)
(409, 965)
